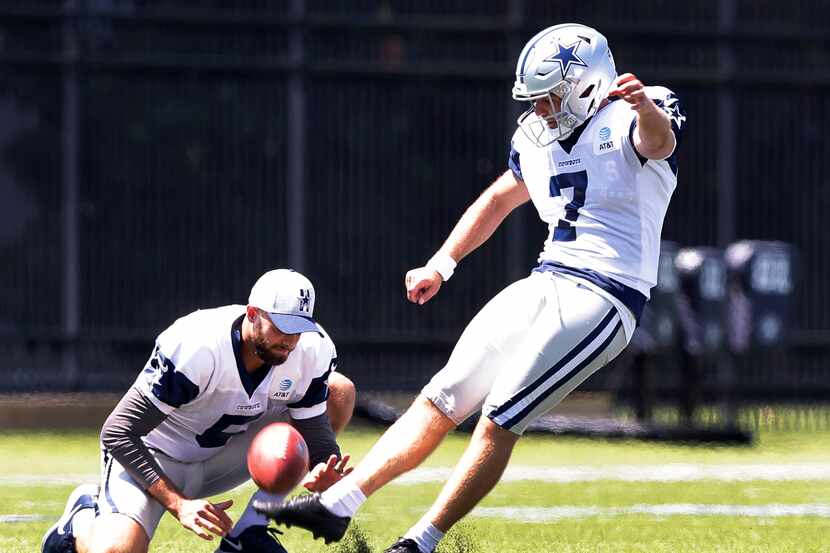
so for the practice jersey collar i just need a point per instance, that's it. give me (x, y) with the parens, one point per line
(568, 143)
(249, 381)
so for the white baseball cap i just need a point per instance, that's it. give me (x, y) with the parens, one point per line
(288, 298)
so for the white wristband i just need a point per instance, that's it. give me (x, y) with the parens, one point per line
(443, 264)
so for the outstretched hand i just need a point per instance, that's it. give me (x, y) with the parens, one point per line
(325, 475)
(632, 90)
(422, 284)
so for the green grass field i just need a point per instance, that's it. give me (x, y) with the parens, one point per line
(786, 512)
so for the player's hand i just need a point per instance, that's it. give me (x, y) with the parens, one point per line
(630, 89)
(421, 284)
(325, 475)
(205, 519)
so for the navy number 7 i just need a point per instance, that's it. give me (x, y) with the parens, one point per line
(564, 231)
(215, 437)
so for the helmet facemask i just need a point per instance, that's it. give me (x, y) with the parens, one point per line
(537, 128)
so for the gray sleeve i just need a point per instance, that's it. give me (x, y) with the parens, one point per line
(319, 437)
(134, 416)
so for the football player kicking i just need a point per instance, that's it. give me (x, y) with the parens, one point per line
(182, 431)
(595, 153)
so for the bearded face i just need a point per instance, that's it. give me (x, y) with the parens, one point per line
(271, 345)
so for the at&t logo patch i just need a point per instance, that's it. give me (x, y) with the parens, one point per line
(605, 142)
(283, 388)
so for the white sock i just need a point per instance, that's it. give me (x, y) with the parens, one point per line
(252, 518)
(425, 535)
(344, 498)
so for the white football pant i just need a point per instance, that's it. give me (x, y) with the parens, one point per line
(528, 348)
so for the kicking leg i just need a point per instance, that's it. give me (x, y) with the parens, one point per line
(403, 446)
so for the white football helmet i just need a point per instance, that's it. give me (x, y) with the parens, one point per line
(569, 61)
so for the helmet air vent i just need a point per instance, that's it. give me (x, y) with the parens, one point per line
(587, 92)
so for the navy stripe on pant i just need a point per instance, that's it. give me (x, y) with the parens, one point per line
(561, 382)
(562, 362)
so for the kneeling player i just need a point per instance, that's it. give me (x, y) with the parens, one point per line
(181, 433)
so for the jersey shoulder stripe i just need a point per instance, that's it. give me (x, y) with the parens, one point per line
(514, 162)
(319, 359)
(185, 357)
(318, 389)
(166, 383)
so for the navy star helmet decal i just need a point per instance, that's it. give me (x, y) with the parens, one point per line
(566, 57)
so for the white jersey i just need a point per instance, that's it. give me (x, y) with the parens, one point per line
(196, 376)
(603, 202)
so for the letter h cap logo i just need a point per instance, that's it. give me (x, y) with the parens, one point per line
(305, 300)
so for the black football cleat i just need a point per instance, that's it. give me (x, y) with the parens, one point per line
(254, 539)
(403, 546)
(59, 538)
(306, 512)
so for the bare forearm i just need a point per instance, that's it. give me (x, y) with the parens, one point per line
(477, 224)
(166, 493)
(200, 516)
(473, 229)
(654, 130)
(484, 216)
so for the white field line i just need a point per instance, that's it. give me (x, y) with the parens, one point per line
(21, 518)
(547, 514)
(674, 472)
(48, 479)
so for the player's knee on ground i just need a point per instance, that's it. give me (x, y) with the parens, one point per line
(342, 396)
(114, 534)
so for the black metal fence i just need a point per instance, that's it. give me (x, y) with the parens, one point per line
(157, 156)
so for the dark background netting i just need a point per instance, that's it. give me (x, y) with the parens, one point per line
(159, 141)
